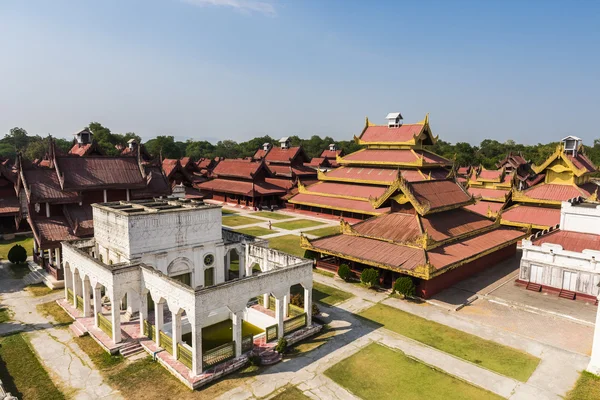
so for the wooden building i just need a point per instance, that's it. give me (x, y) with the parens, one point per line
(9, 202)
(494, 188)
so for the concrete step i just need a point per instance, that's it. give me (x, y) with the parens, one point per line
(131, 349)
(33, 278)
(78, 329)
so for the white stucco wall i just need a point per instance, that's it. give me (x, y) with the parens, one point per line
(583, 217)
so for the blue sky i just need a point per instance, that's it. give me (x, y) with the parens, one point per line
(233, 69)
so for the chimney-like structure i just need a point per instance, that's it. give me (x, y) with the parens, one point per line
(285, 142)
(394, 119)
(84, 136)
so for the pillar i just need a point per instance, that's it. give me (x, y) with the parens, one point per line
(237, 319)
(279, 315)
(115, 318)
(143, 311)
(175, 331)
(35, 247)
(158, 320)
(85, 293)
(50, 256)
(76, 292)
(196, 348)
(287, 303)
(227, 264)
(97, 304)
(127, 194)
(266, 300)
(57, 257)
(47, 210)
(68, 281)
(308, 305)
(242, 261)
(105, 197)
(594, 365)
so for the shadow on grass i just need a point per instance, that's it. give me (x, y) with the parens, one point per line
(7, 380)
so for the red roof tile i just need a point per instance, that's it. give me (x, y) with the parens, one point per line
(397, 156)
(80, 219)
(156, 185)
(260, 154)
(482, 207)
(386, 226)
(552, 191)
(241, 187)
(330, 153)
(336, 203)
(490, 174)
(439, 194)
(237, 168)
(383, 175)
(277, 154)
(169, 164)
(571, 241)
(453, 223)
(581, 161)
(89, 173)
(376, 251)
(80, 149)
(52, 230)
(489, 193)
(539, 216)
(382, 133)
(444, 256)
(347, 189)
(9, 205)
(42, 186)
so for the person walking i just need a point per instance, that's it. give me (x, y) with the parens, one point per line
(270, 228)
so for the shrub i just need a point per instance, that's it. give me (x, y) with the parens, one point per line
(369, 277)
(255, 361)
(315, 309)
(405, 286)
(344, 272)
(297, 300)
(281, 346)
(17, 254)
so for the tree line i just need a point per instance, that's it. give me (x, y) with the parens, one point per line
(487, 153)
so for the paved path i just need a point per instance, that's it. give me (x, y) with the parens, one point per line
(556, 374)
(69, 367)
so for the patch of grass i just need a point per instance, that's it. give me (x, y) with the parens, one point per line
(19, 271)
(377, 372)
(5, 315)
(297, 224)
(291, 393)
(586, 388)
(40, 290)
(311, 343)
(485, 353)
(324, 294)
(22, 373)
(324, 273)
(256, 231)
(288, 244)
(102, 359)
(238, 220)
(330, 230)
(55, 312)
(227, 212)
(271, 215)
(6, 245)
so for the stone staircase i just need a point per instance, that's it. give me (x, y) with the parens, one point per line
(40, 275)
(567, 294)
(535, 287)
(266, 352)
(78, 329)
(131, 349)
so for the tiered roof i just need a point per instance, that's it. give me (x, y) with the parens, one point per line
(494, 188)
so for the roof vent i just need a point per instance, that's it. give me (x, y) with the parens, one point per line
(266, 146)
(571, 144)
(132, 143)
(332, 147)
(394, 119)
(84, 136)
(285, 142)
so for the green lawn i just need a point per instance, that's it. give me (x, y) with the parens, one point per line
(330, 230)
(586, 388)
(5, 315)
(40, 290)
(291, 393)
(256, 231)
(5, 245)
(324, 273)
(101, 358)
(311, 343)
(324, 294)
(485, 353)
(55, 312)
(22, 373)
(238, 220)
(297, 224)
(377, 373)
(288, 244)
(227, 212)
(271, 215)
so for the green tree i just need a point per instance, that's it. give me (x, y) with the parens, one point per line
(37, 148)
(164, 145)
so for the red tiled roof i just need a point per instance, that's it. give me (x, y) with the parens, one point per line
(156, 185)
(453, 223)
(288, 170)
(237, 168)
(552, 191)
(570, 241)
(330, 153)
(80, 219)
(260, 153)
(44, 187)
(241, 187)
(398, 156)
(446, 255)
(9, 205)
(336, 203)
(382, 133)
(318, 161)
(581, 161)
(169, 164)
(285, 183)
(193, 193)
(52, 230)
(277, 154)
(490, 174)
(80, 149)
(482, 207)
(386, 226)
(464, 170)
(439, 193)
(373, 250)
(383, 175)
(347, 189)
(539, 216)
(489, 193)
(89, 173)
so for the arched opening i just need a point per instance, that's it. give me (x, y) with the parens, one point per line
(181, 269)
(209, 277)
(233, 270)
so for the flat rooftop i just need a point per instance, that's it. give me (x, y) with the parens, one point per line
(140, 207)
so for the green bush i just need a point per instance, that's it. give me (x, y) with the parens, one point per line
(315, 309)
(405, 286)
(344, 272)
(255, 361)
(281, 346)
(17, 254)
(297, 300)
(370, 277)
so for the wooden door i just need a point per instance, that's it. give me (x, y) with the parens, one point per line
(570, 281)
(536, 274)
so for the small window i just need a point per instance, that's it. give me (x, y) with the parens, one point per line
(209, 259)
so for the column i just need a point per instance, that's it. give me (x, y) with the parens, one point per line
(68, 281)
(242, 262)
(143, 311)
(237, 319)
(158, 320)
(57, 257)
(266, 300)
(127, 194)
(116, 318)
(287, 303)
(86, 289)
(105, 197)
(594, 365)
(35, 247)
(75, 287)
(279, 315)
(47, 210)
(197, 366)
(308, 305)
(50, 256)
(97, 304)
(227, 264)
(175, 331)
